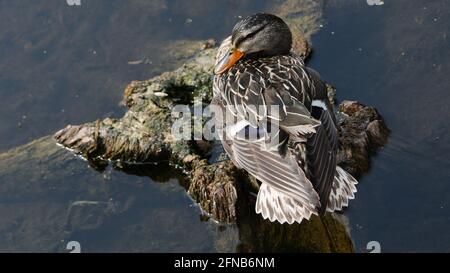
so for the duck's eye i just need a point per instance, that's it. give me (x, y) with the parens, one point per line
(239, 40)
(250, 35)
(246, 37)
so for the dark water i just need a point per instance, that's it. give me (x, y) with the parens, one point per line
(396, 57)
(67, 65)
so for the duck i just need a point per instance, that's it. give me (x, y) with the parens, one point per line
(274, 120)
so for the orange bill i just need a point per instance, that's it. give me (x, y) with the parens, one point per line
(228, 61)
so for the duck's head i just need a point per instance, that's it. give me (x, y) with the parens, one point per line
(261, 35)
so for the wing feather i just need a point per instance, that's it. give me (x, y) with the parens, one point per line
(280, 173)
(321, 149)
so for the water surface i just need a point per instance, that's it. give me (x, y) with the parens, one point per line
(67, 65)
(396, 57)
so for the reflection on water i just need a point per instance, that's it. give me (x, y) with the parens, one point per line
(62, 64)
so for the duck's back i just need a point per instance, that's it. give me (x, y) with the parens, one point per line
(250, 81)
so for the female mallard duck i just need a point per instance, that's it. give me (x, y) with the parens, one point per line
(255, 69)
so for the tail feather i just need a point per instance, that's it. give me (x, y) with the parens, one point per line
(343, 190)
(276, 206)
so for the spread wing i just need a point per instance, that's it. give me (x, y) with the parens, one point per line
(286, 194)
